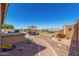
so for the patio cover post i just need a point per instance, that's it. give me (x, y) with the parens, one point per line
(0, 25)
(3, 10)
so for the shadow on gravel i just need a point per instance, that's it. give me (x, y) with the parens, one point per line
(24, 48)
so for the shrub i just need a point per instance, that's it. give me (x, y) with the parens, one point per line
(60, 35)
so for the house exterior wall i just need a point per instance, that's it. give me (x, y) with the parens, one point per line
(78, 30)
(78, 37)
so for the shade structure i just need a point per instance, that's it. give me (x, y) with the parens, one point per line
(4, 8)
(32, 27)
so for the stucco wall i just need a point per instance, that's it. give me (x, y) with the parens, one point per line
(78, 37)
(69, 30)
(13, 38)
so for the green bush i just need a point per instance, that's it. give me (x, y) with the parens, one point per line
(7, 26)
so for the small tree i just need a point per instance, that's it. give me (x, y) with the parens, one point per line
(7, 26)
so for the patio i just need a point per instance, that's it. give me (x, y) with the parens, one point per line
(23, 48)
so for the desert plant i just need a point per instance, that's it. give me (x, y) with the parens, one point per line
(60, 35)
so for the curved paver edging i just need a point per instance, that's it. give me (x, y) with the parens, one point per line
(49, 47)
(49, 42)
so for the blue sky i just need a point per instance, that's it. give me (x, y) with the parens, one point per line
(43, 15)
